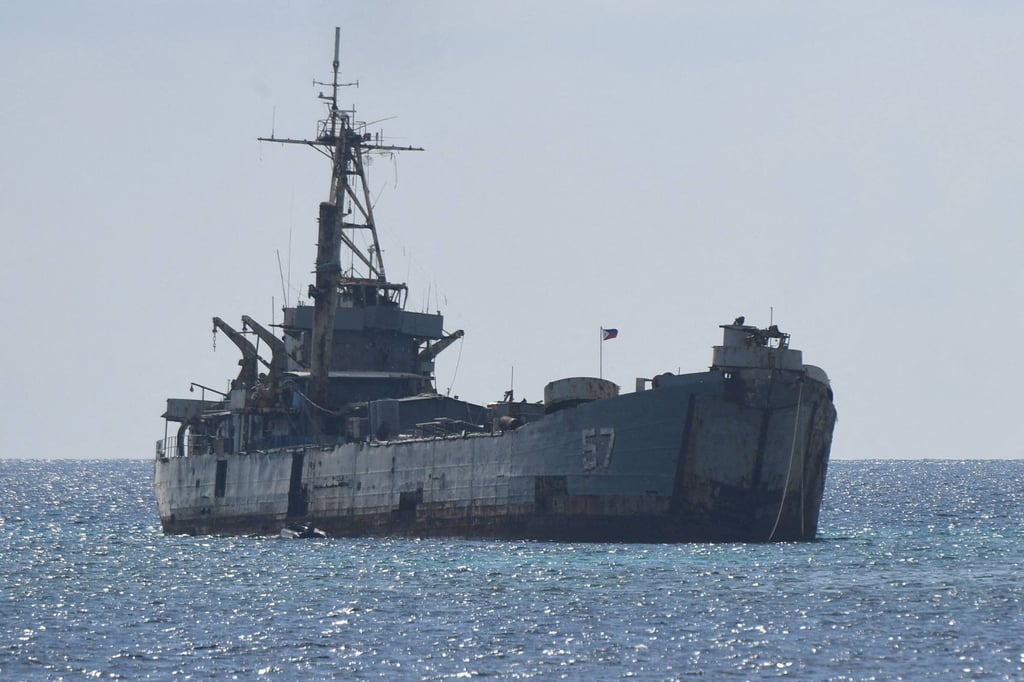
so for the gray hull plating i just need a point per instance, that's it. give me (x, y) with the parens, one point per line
(715, 456)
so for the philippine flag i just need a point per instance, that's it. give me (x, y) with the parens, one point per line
(608, 334)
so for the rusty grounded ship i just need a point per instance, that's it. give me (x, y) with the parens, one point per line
(342, 433)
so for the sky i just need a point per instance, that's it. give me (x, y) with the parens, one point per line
(849, 171)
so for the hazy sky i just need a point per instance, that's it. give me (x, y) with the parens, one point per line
(659, 167)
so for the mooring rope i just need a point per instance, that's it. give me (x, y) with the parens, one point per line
(789, 470)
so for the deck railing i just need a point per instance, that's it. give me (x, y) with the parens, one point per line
(205, 445)
(192, 445)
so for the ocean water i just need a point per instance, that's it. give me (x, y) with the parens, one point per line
(918, 574)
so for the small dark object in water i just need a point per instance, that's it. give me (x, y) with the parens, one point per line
(302, 532)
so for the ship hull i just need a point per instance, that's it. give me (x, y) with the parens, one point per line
(703, 457)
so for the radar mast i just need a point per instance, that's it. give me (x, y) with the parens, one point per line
(348, 211)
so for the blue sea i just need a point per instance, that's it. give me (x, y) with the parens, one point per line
(918, 574)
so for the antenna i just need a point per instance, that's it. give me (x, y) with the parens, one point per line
(334, 90)
(337, 42)
(291, 211)
(280, 271)
(510, 394)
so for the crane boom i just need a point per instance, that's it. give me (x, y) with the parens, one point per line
(432, 351)
(249, 374)
(279, 356)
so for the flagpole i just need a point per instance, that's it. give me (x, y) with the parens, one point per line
(600, 341)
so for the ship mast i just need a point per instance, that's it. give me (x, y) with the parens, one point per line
(347, 211)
